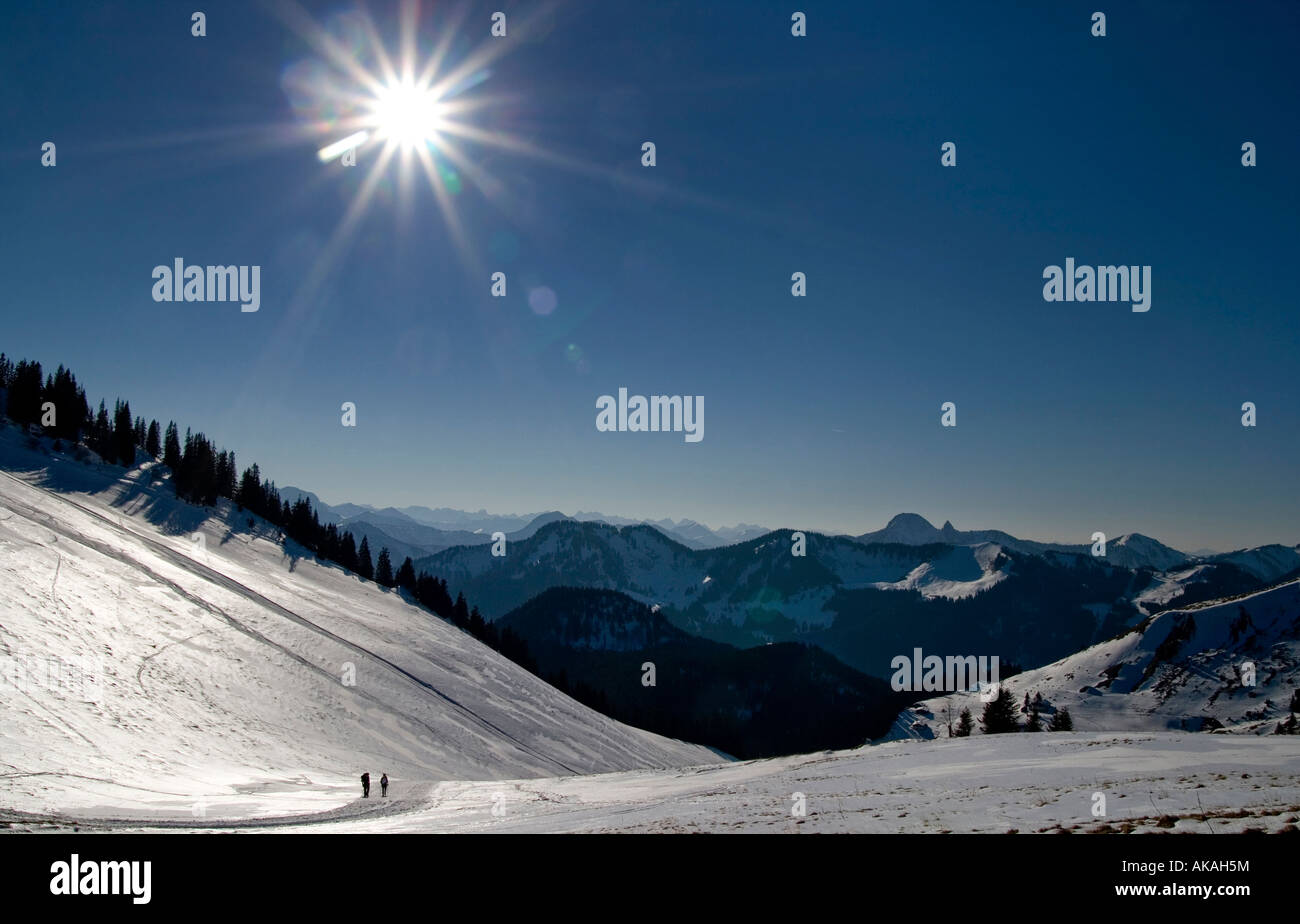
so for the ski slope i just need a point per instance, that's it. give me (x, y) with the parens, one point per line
(1150, 783)
(239, 677)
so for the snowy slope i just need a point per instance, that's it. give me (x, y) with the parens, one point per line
(224, 665)
(1152, 783)
(1184, 668)
(1267, 562)
(959, 573)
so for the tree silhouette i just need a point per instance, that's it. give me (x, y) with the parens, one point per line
(999, 714)
(964, 725)
(171, 446)
(384, 570)
(1061, 721)
(364, 567)
(406, 575)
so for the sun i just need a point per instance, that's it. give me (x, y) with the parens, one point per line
(413, 110)
(406, 114)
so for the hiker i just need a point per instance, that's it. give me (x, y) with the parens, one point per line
(365, 785)
(383, 785)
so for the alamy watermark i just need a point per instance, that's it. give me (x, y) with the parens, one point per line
(181, 283)
(933, 674)
(75, 876)
(658, 413)
(78, 678)
(1098, 284)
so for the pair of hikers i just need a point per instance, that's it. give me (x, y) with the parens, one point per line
(365, 785)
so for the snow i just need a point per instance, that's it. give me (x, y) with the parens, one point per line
(1145, 680)
(962, 572)
(1267, 562)
(226, 666)
(221, 703)
(1168, 586)
(1026, 783)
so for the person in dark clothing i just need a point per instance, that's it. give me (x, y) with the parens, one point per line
(383, 785)
(365, 785)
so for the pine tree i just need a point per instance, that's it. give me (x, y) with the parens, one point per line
(964, 725)
(25, 388)
(249, 494)
(153, 440)
(171, 447)
(123, 434)
(1000, 713)
(406, 575)
(69, 403)
(384, 569)
(1061, 721)
(1032, 723)
(364, 567)
(329, 545)
(348, 552)
(101, 434)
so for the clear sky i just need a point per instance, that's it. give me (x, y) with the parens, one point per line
(775, 154)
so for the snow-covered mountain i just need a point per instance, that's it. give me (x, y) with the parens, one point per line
(224, 671)
(444, 527)
(1266, 562)
(1232, 664)
(1130, 550)
(858, 601)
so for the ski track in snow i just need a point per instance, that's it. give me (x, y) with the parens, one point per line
(222, 669)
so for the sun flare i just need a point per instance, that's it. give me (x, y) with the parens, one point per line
(407, 115)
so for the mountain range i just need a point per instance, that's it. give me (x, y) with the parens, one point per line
(862, 601)
(417, 530)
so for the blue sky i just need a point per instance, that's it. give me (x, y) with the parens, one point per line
(775, 154)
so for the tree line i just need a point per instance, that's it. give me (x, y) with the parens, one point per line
(1000, 716)
(202, 474)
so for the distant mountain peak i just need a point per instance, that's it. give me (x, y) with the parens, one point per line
(909, 519)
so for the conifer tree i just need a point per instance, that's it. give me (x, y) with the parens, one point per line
(101, 434)
(999, 713)
(348, 552)
(384, 569)
(153, 440)
(25, 389)
(171, 447)
(123, 434)
(964, 725)
(364, 567)
(406, 575)
(1061, 721)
